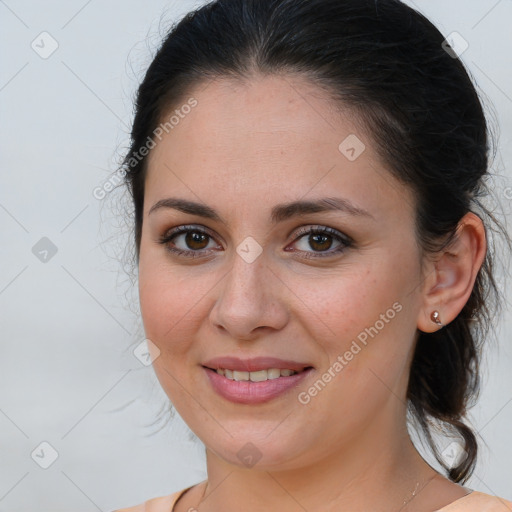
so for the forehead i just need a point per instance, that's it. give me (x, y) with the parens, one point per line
(273, 135)
(240, 114)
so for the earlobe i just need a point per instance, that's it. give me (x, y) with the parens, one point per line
(454, 275)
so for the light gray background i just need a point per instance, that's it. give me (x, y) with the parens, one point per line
(67, 373)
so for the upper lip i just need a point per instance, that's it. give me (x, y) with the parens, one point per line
(254, 364)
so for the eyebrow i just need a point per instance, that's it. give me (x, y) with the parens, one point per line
(279, 213)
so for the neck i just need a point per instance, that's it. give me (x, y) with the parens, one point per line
(377, 470)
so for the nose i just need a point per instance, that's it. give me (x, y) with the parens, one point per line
(251, 300)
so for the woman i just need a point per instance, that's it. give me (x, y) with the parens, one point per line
(313, 260)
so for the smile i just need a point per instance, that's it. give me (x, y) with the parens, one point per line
(254, 387)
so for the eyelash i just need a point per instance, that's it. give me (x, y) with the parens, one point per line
(346, 241)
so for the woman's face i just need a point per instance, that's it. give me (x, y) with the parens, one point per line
(340, 306)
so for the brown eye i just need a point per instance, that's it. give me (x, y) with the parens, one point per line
(190, 241)
(195, 240)
(321, 240)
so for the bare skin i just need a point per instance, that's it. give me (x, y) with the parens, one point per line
(242, 150)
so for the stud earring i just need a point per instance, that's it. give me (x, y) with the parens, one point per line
(435, 318)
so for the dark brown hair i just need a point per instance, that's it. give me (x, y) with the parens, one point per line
(390, 65)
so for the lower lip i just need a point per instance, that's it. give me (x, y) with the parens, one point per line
(247, 392)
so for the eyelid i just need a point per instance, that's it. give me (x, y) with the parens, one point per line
(187, 227)
(309, 228)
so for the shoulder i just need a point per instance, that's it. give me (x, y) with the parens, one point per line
(159, 504)
(479, 502)
(485, 502)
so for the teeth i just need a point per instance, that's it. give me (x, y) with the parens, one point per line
(259, 376)
(240, 375)
(273, 373)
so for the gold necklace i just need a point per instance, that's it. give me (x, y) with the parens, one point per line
(413, 495)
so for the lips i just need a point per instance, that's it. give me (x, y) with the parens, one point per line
(254, 381)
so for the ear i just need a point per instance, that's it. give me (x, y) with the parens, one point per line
(451, 277)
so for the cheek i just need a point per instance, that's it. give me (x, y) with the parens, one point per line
(341, 307)
(364, 322)
(170, 308)
(173, 305)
